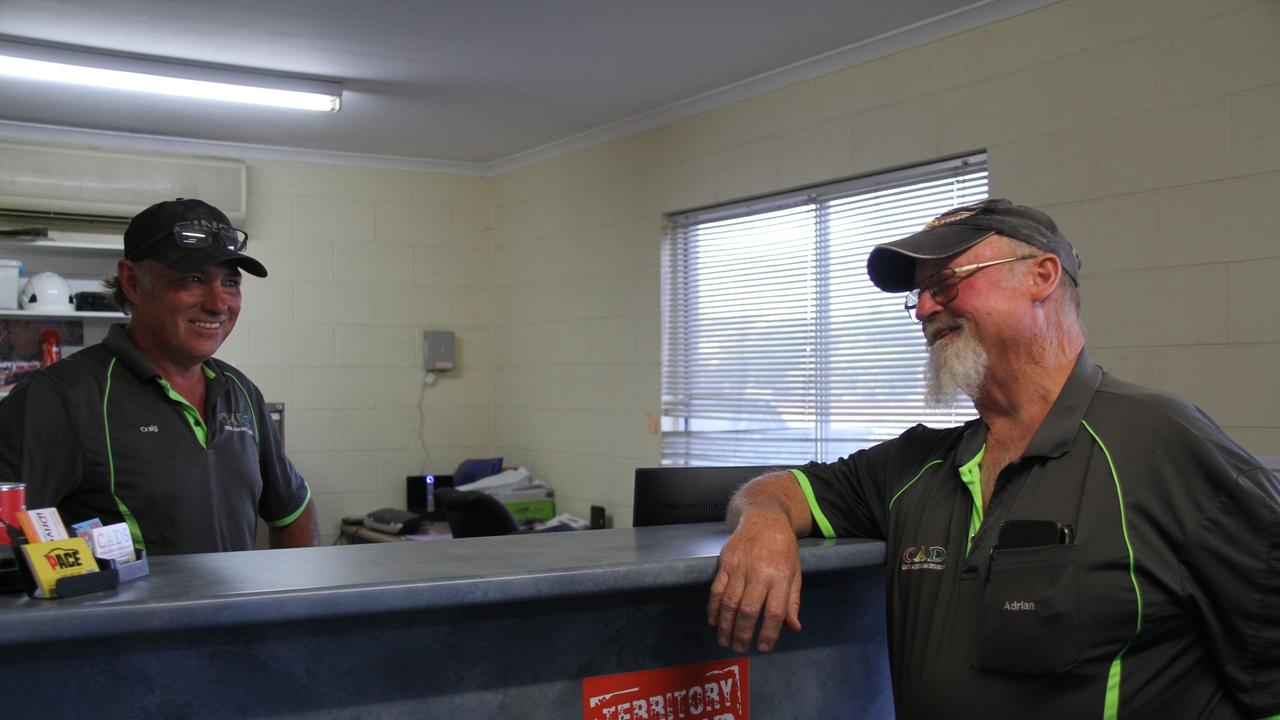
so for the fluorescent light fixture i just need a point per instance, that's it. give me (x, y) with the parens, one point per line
(120, 73)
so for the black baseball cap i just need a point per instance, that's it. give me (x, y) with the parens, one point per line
(186, 235)
(892, 266)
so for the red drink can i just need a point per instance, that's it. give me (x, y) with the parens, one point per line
(13, 500)
(50, 348)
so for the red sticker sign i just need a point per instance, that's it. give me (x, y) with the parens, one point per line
(708, 691)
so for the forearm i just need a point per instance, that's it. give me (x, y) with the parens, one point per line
(777, 498)
(759, 575)
(302, 532)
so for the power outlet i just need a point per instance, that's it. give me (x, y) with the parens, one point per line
(437, 350)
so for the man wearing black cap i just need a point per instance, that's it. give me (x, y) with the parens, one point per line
(1085, 548)
(147, 428)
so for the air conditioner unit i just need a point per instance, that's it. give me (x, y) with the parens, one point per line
(81, 184)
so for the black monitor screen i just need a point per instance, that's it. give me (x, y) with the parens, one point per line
(670, 495)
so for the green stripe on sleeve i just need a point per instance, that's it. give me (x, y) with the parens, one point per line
(823, 524)
(290, 518)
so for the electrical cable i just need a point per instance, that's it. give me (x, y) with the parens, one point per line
(427, 380)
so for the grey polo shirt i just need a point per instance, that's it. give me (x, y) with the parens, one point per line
(1166, 604)
(101, 434)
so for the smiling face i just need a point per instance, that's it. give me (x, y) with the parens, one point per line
(962, 333)
(983, 297)
(180, 319)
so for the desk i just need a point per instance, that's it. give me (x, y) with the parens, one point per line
(493, 627)
(354, 532)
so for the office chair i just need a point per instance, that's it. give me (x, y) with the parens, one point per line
(473, 469)
(475, 514)
(688, 494)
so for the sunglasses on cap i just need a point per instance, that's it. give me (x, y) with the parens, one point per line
(193, 234)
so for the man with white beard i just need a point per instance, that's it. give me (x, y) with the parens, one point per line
(1084, 548)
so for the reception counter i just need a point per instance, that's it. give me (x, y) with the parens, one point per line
(504, 627)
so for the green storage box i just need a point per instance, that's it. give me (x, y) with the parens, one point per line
(539, 510)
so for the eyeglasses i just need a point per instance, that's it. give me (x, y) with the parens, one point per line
(203, 233)
(944, 285)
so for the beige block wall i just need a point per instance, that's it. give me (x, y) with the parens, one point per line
(1147, 127)
(361, 262)
(576, 323)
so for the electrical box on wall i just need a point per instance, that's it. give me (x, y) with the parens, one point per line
(437, 350)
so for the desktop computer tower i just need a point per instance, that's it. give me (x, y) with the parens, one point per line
(419, 494)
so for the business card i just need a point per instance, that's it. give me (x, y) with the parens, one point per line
(53, 560)
(42, 524)
(112, 542)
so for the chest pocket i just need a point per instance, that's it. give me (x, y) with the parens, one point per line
(1029, 612)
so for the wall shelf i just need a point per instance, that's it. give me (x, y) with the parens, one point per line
(70, 315)
(57, 247)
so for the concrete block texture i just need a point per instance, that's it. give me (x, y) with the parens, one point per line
(1146, 127)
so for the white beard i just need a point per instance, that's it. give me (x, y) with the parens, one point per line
(956, 366)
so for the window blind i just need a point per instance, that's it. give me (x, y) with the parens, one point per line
(777, 349)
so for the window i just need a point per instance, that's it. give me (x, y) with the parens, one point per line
(777, 349)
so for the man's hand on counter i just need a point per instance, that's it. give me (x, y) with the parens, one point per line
(759, 577)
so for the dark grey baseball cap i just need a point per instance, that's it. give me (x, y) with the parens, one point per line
(892, 266)
(186, 235)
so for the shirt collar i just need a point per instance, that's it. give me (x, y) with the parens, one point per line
(1058, 430)
(119, 344)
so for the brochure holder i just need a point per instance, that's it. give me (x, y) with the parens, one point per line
(110, 574)
(82, 584)
(128, 571)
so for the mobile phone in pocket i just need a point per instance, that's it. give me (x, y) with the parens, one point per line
(1033, 533)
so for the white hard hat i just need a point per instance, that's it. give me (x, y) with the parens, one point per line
(46, 292)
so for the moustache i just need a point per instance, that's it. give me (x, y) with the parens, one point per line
(939, 325)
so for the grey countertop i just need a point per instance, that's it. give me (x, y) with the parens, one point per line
(270, 586)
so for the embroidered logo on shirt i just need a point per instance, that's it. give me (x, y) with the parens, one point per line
(149, 428)
(235, 422)
(924, 557)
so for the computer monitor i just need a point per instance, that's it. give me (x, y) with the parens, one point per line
(671, 495)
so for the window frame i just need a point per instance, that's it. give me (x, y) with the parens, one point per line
(680, 440)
